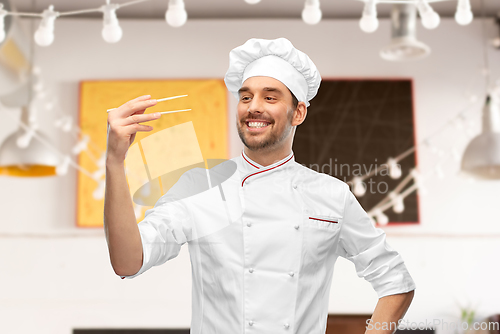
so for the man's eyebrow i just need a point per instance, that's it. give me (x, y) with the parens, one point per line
(272, 89)
(243, 89)
(266, 89)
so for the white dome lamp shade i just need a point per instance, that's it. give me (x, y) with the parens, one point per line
(24, 156)
(404, 45)
(481, 158)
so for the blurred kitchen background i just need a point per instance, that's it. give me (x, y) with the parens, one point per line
(56, 274)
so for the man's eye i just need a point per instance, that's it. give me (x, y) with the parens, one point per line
(245, 98)
(269, 98)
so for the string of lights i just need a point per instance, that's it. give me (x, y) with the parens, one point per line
(395, 198)
(176, 16)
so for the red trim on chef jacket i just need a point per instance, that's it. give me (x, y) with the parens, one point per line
(249, 161)
(325, 220)
(265, 170)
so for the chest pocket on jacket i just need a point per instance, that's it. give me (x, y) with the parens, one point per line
(320, 234)
(321, 221)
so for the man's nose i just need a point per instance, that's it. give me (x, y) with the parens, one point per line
(255, 105)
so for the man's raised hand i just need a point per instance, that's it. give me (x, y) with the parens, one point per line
(123, 124)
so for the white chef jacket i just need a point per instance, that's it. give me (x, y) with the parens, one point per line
(268, 269)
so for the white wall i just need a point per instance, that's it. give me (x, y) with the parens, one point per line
(56, 277)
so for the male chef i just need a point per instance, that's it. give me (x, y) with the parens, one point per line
(264, 240)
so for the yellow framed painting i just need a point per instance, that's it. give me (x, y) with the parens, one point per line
(207, 121)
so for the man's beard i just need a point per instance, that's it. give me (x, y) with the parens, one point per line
(272, 140)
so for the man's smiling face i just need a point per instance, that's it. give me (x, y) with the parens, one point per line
(265, 113)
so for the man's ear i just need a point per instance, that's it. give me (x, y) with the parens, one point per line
(299, 115)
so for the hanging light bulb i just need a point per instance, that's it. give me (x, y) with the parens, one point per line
(62, 168)
(98, 174)
(398, 205)
(252, 2)
(380, 217)
(81, 145)
(311, 14)
(463, 15)
(394, 168)
(369, 20)
(65, 123)
(430, 19)
(66, 127)
(111, 31)
(44, 35)
(176, 14)
(3, 13)
(359, 188)
(417, 179)
(98, 193)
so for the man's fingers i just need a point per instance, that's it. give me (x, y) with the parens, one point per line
(137, 105)
(141, 98)
(139, 118)
(133, 107)
(133, 128)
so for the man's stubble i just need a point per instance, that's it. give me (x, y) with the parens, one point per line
(272, 140)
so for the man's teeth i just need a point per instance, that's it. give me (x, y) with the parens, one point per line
(257, 124)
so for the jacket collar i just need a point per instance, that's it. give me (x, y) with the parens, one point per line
(251, 169)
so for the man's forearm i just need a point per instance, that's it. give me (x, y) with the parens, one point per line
(120, 225)
(388, 312)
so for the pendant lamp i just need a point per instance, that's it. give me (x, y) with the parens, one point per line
(23, 155)
(481, 158)
(25, 152)
(404, 45)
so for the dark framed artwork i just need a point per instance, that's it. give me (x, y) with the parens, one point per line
(351, 127)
